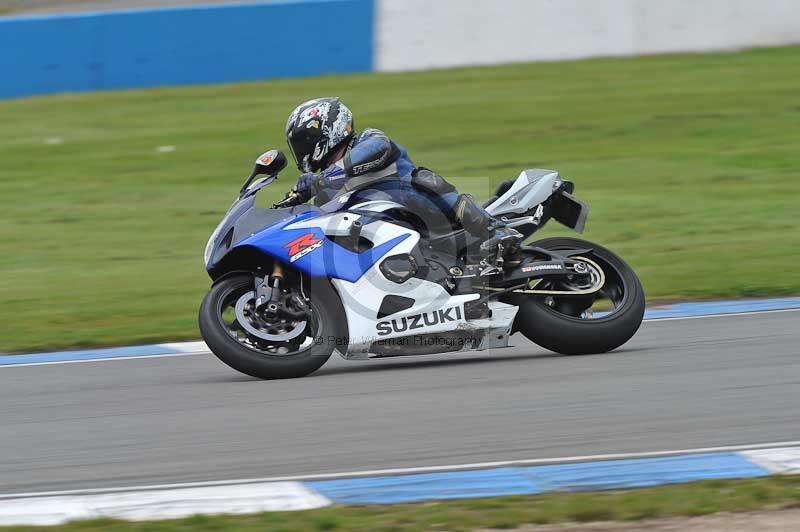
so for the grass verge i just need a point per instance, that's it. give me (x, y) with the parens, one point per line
(691, 164)
(693, 499)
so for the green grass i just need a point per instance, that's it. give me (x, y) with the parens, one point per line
(691, 164)
(699, 498)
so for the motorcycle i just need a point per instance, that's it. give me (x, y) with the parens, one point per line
(369, 278)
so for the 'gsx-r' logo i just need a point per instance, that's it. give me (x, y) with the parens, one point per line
(302, 246)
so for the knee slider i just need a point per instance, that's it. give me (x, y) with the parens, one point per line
(425, 180)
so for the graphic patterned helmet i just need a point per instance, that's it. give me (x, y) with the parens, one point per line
(316, 129)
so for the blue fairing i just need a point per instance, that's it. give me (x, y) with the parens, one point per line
(326, 260)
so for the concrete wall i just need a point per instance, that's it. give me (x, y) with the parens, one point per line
(176, 46)
(418, 34)
(288, 38)
(19, 7)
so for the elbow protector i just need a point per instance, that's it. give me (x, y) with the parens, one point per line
(371, 155)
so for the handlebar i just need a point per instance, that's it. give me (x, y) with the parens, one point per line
(291, 199)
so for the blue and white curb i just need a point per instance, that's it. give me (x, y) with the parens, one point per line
(676, 311)
(403, 486)
(113, 353)
(604, 474)
(161, 504)
(722, 308)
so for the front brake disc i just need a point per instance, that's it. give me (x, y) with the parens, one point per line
(281, 331)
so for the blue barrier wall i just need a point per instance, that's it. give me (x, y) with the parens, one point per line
(177, 46)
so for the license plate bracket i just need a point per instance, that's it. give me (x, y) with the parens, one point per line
(570, 211)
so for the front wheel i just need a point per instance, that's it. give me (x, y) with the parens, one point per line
(583, 324)
(278, 348)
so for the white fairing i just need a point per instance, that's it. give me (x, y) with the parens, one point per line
(531, 188)
(362, 299)
(377, 206)
(434, 310)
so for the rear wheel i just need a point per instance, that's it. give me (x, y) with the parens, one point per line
(275, 347)
(583, 324)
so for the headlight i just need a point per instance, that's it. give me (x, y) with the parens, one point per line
(210, 244)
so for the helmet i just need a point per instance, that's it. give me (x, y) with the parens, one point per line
(316, 129)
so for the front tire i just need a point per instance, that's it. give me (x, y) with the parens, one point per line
(325, 323)
(561, 324)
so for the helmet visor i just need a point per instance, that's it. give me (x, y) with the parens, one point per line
(302, 143)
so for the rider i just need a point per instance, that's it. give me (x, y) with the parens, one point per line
(330, 154)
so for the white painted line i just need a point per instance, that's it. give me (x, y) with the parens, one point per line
(411, 470)
(783, 460)
(165, 504)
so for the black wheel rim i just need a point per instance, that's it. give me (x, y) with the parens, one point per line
(229, 321)
(609, 300)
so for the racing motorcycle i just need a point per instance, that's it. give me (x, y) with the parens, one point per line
(369, 278)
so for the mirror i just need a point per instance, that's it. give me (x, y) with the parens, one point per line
(270, 163)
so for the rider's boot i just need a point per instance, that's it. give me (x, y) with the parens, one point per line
(500, 244)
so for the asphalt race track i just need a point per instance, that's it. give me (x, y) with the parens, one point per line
(679, 384)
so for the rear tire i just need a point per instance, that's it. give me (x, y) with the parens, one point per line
(328, 316)
(570, 335)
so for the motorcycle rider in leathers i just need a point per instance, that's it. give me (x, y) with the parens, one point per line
(330, 154)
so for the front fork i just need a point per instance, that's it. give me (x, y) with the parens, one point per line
(272, 302)
(268, 291)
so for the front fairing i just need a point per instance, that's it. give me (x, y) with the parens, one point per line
(297, 236)
(311, 242)
(243, 220)
(224, 229)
